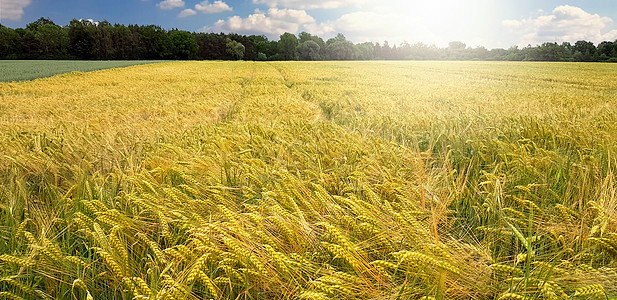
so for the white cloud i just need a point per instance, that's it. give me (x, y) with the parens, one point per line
(12, 10)
(290, 15)
(432, 22)
(212, 8)
(369, 26)
(187, 12)
(610, 36)
(272, 23)
(360, 26)
(365, 22)
(303, 4)
(170, 4)
(90, 21)
(511, 24)
(321, 29)
(564, 24)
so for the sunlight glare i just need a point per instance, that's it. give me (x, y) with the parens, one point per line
(436, 21)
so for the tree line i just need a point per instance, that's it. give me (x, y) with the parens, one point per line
(84, 39)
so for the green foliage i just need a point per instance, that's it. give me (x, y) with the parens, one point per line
(288, 44)
(8, 37)
(53, 39)
(236, 50)
(262, 56)
(309, 50)
(584, 51)
(81, 38)
(305, 37)
(339, 48)
(183, 44)
(153, 42)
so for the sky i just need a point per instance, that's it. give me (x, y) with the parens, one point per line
(488, 23)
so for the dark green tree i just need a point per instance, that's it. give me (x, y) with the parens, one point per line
(153, 42)
(34, 26)
(124, 42)
(366, 51)
(81, 38)
(8, 41)
(211, 45)
(607, 50)
(250, 44)
(547, 52)
(183, 45)
(584, 51)
(27, 45)
(288, 44)
(53, 39)
(309, 50)
(268, 48)
(339, 48)
(304, 36)
(103, 46)
(235, 49)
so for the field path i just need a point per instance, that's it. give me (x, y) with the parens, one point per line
(266, 98)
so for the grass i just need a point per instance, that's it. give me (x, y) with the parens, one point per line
(23, 70)
(355, 180)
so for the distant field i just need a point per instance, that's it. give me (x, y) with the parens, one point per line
(311, 180)
(22, 70)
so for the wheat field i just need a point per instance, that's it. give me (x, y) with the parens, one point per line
(311, 180)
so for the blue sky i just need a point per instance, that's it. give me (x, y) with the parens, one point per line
(489, 23)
